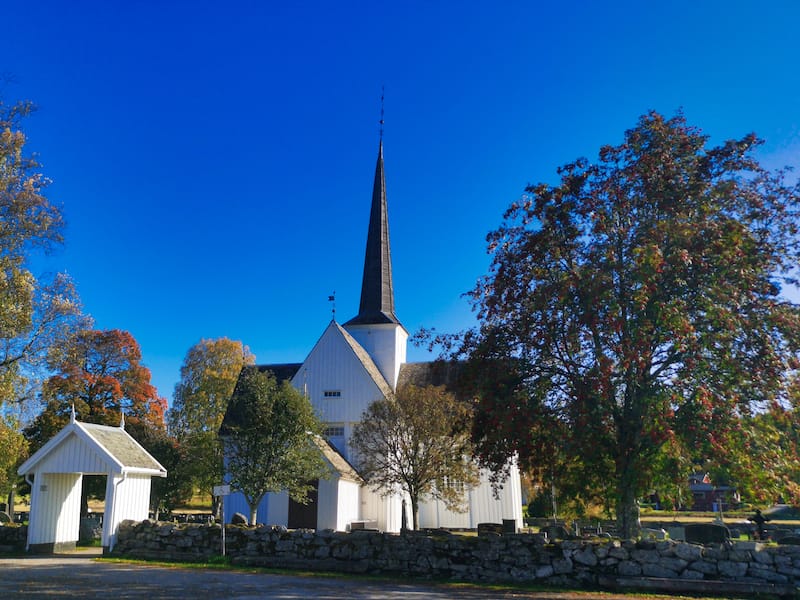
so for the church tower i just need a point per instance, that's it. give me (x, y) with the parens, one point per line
(376, 327)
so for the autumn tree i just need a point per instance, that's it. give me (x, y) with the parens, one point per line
(269, 437)
(100, 373)
(417, 442)
(35, 312)
(639, 302)
(208, 377)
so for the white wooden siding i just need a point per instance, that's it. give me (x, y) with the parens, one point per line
(386, 344)
(130, 499)
(483, 507)
(56, 502)
(327, 503)
(72, 455)
(272, 510)
(385, 511)
(348, 502)
(277, 512)
(332, 365)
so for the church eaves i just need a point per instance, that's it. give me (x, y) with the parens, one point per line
(377, 292)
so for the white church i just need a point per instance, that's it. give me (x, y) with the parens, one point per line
(350, 366)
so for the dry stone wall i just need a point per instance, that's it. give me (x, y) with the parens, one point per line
(516, 557)
(13, 538)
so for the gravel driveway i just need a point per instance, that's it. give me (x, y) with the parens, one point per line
(79, 576)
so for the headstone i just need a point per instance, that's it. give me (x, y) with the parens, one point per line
(485, 529)
(556, 532)
(239, 519)
(706, 533)
(90, 529)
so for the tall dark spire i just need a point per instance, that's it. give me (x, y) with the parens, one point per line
(377, 292)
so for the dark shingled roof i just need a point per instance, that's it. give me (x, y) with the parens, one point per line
(121, 446)
(438, 372)
(377, 291)
(337, 461)
(233, 414)
(112, 446)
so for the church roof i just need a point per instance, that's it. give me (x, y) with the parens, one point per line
(337, 461)
(438, 372)
(377, 291)
(233, 414)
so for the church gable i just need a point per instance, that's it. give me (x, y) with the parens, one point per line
(339, 377)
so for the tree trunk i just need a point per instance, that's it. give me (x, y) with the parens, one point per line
(414, 512)
(627, 506)
(11, 499)
(253, 514)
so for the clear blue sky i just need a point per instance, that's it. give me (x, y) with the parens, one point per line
(215, 160)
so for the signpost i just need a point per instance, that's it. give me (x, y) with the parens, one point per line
(220, 491)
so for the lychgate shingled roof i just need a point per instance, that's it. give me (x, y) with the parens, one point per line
(112, 446)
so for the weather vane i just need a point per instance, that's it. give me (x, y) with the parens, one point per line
(332, 300)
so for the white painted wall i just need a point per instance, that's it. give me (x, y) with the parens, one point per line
(327, 503)
(483, 507)
(386, 344)
(74, 453)
(56, 504)
(273, 509)
(349, 504)
(333, 366)
(127, 497)
(385, 511)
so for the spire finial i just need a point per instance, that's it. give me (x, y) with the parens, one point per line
(332, 300)
(381, 121)
(122, 419)
(72, 414)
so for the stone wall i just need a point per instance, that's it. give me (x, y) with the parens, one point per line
(516, 557)
(13, 538)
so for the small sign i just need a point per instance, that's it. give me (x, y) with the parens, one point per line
(222, 490)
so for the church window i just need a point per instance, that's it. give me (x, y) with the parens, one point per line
(332, 393)
(333, 431)
(457, 486)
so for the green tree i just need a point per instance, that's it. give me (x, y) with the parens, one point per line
(35, 313)
(269, 439)
(167, 493)
(419, 442)
(13, 449)
(208, 378)
(639, 302)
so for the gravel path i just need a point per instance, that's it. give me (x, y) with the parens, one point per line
(78, 576)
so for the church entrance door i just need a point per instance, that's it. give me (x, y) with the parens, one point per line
(304, 516)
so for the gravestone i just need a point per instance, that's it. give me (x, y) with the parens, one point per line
(239, 519)
(706, 533)
(485, 529)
